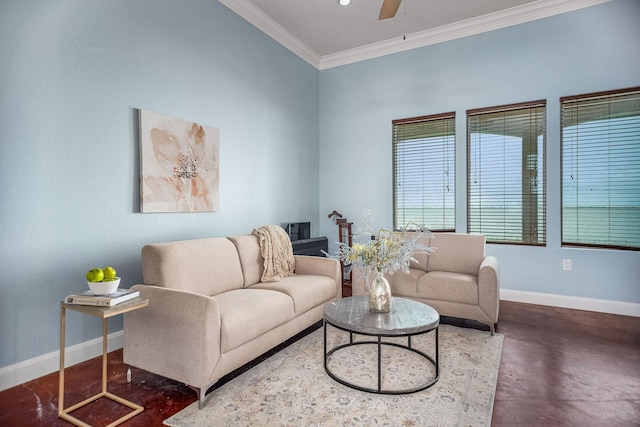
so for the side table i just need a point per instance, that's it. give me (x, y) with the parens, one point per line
(105, 313)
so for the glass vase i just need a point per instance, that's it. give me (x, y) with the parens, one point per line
(380, 295)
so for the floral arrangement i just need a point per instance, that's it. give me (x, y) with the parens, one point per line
(386, 251)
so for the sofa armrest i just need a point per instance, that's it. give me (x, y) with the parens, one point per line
(176, 336)
(489, 287)
(320, 266)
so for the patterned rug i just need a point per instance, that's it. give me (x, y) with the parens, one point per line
(291, 387)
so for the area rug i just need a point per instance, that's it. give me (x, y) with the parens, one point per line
(291, 387)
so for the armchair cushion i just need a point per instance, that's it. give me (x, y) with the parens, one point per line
(447, 286)
(457, 253)
(405, 284)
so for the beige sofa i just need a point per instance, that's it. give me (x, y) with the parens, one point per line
(456, 279)
(209, 313)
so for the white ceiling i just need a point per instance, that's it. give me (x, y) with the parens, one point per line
(326, 34)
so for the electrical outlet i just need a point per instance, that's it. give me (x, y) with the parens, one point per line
(566, 264)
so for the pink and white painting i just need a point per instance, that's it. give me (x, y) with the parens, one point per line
(179, 165)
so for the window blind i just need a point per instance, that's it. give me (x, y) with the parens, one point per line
(424, 172)
(601, 169)
(506, 173)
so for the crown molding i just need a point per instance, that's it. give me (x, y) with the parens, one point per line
(517, 15)
(494, 21)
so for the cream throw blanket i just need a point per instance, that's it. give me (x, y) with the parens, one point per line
(276, 249)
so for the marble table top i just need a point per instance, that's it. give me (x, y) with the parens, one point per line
(407, 317)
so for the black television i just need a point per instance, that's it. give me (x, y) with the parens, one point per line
(298, 230)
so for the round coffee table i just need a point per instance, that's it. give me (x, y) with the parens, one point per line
(406, 319)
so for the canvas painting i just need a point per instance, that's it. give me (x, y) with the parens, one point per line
(179, 165)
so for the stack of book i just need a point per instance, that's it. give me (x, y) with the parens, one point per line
(88, 298)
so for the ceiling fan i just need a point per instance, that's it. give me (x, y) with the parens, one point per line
(389, 9)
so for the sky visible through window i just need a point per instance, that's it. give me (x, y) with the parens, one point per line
(601, 182)
(425, 182)
(602, 173)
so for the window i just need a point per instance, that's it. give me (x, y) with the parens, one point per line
(506, 173)
(423, 172)
(601, 169)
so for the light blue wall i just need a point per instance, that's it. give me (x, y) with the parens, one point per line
(73, 74)
(593, 49)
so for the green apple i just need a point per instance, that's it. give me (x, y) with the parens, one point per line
(109, 274)
(95, 275)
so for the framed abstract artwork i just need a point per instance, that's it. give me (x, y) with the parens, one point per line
(179, 169)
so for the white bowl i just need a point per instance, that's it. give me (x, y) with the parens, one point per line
(104, 288)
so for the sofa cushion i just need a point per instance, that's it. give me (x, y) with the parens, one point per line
(457, 253)
(248, 313)
(305, 290)
(447, 286)
(251, 259)
(205, 266)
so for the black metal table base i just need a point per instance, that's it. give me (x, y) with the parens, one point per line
(380, 344)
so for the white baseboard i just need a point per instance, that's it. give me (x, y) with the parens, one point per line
(577, 303)
(37, 367)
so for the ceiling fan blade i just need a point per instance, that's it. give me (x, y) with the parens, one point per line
(389, 9)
